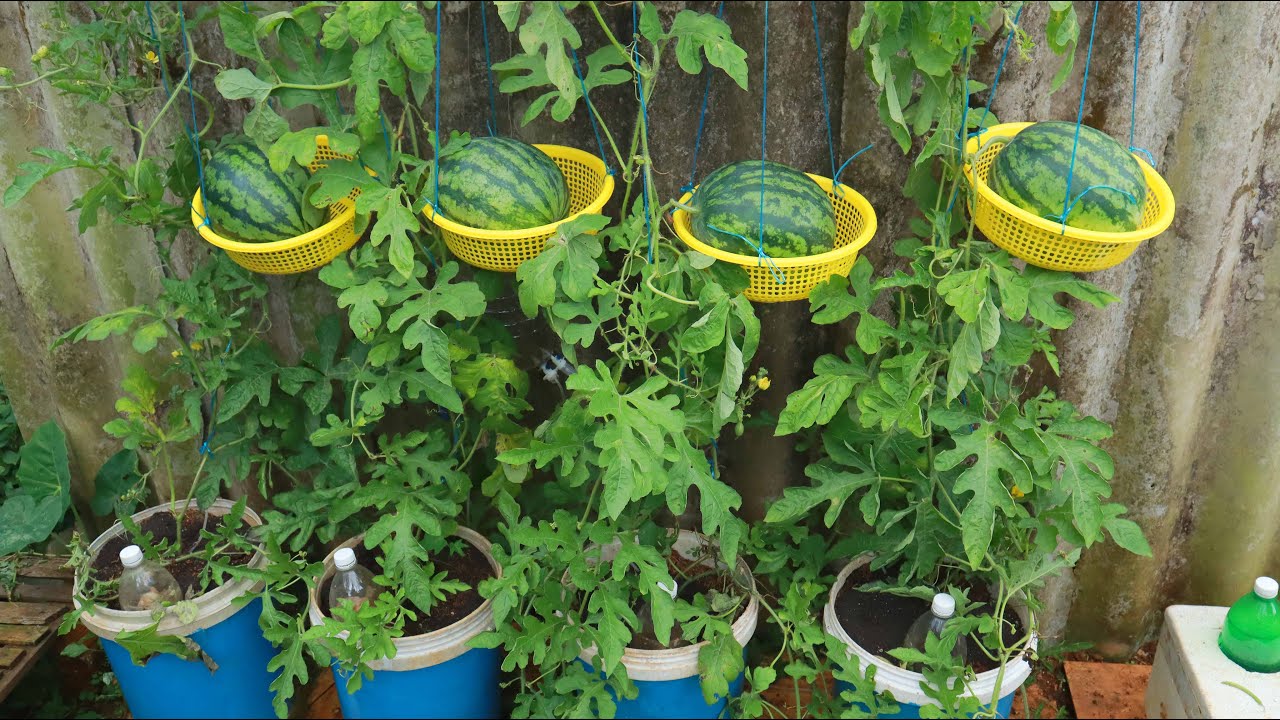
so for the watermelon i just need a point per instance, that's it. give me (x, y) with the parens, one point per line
(248, 201)
(799, 219)
(496, 183)
(1031, 172)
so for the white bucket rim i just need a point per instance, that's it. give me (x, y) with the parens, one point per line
(212, 607)
(682, 662)
(414, 652)
(904, 684)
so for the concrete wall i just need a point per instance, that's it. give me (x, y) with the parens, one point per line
(1184, 367)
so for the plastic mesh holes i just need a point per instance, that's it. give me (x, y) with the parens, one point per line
(855, 226)
(1042, 242)
(294, 255)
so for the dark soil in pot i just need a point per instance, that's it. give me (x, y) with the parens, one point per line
(470, 566)
(879, 621)
(693, 579)
(162, 526)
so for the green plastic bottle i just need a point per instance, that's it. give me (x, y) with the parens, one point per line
(1251, 634)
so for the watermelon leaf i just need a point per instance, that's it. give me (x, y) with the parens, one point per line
(239, 28)
(569, 261)
(993, 460)
(239, 83)
(698, 34)
(832, 384)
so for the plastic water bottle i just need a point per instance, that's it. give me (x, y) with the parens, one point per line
(933, 622)
(351, 582)
(145, 584)
(1251, 633)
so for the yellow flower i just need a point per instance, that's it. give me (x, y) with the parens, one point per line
(41, 53)
(151, 57)
(197, 346)
(1016, 493)
(175, 354)
(763, 383)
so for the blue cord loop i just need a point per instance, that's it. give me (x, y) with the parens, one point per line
(702, 117)
(822, 81)
(644, 119)
(763, 258)
(488, 68)
(835, 178)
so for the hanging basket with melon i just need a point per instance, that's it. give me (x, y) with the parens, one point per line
(499, 200)
(257, 214)
(789, 230)
(1021, 173)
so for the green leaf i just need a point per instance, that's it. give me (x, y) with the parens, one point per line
(984, 480)
(698, 34)
(117, 476)
(435, 348)
(146, 643)
(238, 31)
(300, 147)
(509, 13)
(25, 520)
(1126, 533)
(830, 485)
(395, 222)
(568, 263)
(414, 45)
(822, 397)
(1045, 284)
(830, 301)
(264, 126)
(42, 470)
(719, 663)
(239, 83)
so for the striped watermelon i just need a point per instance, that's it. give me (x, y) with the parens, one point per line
(248, 201)
(799, 219)
(1031, 172)
(496, 183)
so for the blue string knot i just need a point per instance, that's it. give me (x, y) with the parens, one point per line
(762, 257)
(1067, 210)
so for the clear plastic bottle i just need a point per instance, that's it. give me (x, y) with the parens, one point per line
(145, 584)
(1251, 633)
(941, 611)
(352, 581)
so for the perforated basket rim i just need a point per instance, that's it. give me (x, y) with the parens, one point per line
(206, 230)
(1155, 184)
(552, 151)
(681, 219)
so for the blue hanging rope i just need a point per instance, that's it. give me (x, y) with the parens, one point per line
(644, 120)
(1068, 203)
(702, 117)
(1133, 102)
(591, 115)
(835, 180)
(995, 84)
(213, 412)
(488, 68)
(191, 95)
(763, 258)
(435, 141)
(822, 81)
(778, 277)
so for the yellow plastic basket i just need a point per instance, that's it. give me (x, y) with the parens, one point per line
(855, 225)
(590, 187)
(1042, 242)
(298, 254)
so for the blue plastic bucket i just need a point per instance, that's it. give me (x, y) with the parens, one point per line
(433, 675)
(905, 685)
(668, 679)
(170, 687)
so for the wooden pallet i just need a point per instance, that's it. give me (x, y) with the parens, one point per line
(29, 619)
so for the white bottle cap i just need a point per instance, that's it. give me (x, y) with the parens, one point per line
(345, 558)
(944, 606)
(1265, 588)
(132, 556)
